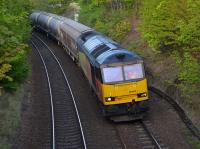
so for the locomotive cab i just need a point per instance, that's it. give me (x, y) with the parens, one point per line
(122, 81)
(124, 86)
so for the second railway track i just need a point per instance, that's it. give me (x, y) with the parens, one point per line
(67, 131)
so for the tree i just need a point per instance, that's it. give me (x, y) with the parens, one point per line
(14, 33)
(174, 27)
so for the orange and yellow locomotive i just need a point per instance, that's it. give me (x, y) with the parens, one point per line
(116, 75)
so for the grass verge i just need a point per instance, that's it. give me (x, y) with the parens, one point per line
(10, 105)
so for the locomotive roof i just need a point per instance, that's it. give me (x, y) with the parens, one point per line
(117, 56)
(105, 51)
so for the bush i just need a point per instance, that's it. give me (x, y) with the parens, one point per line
(120, 30)
(169, 25)
(112, 23)
(14, 33)
(189, 71)
(18, 72)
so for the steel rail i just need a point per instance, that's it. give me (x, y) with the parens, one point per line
(50, 93)
(151, 135)
(68, 84)
(121, 140)
(186, 120)
(155, 143)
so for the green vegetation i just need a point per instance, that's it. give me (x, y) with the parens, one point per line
(14, 32)
(9, 117)
(53, 6)
(194, 142)
(173, 27)
(108, 17)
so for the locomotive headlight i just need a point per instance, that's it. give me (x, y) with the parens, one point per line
(110, 99)
(142, 95)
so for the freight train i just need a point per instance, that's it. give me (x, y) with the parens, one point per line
(115, 74)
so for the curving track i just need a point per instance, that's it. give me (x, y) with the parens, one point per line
(67, 131)
(186, 120)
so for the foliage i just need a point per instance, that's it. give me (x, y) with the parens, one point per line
(10, 118)
(114, 24)
(120, 31)
(14, 32)
(159, 26)
(53, 6)
(188, 74)
(13, 35)
(194, 142)
(110, 3)
(170, 25)
(89, 16)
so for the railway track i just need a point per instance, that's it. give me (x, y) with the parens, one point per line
(67, 131)
(144, 137)
(193, 129)
(156, 142)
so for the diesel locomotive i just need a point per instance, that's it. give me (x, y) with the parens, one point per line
(115, 74)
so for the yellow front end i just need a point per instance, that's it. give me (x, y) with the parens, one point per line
(129, 92)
